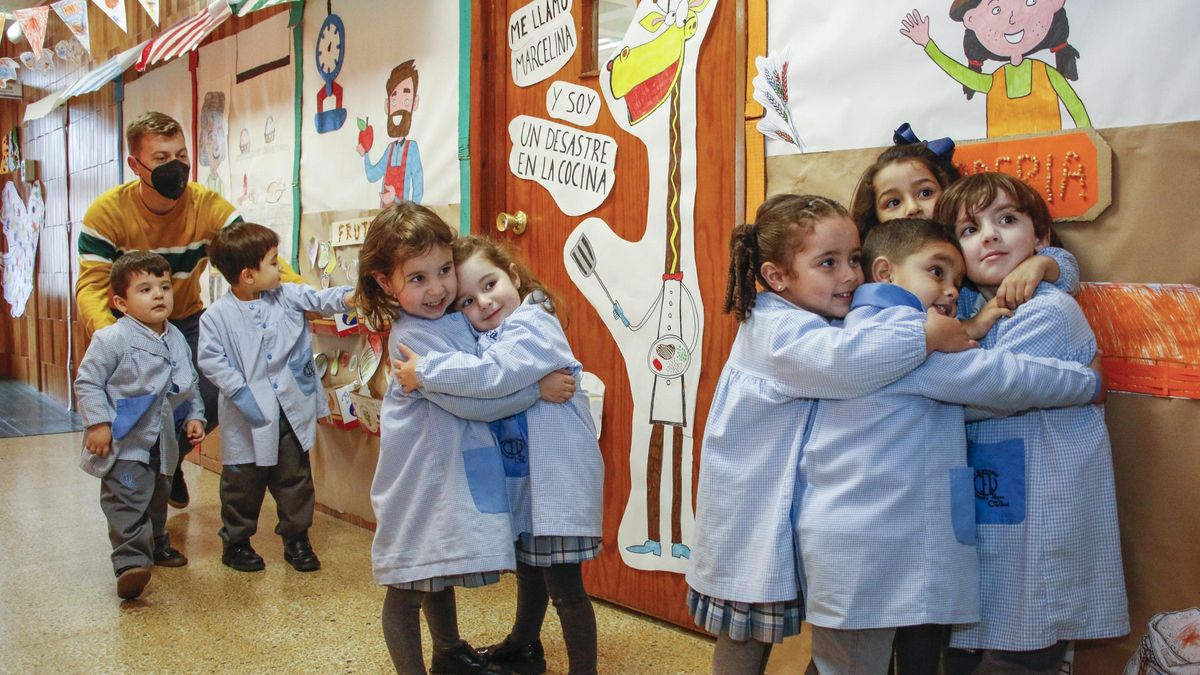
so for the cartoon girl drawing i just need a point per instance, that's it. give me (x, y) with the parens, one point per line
(1023, 94)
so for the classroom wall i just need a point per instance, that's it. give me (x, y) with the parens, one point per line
(1147, 235)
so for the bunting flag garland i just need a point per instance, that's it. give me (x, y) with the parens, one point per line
(185, 36)
(100, 76)
(151, 7)
(115, 10)
(74, 14)
(33, 24)
(244, 7)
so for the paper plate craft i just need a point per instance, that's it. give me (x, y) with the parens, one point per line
(367, 410)
(344, 360)
(368, 362)
(321, 364)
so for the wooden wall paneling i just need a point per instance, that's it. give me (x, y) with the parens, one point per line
(755, 157)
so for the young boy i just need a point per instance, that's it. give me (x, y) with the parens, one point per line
(135, 383)
(1049, 547)
(887, 521)
(255, 347)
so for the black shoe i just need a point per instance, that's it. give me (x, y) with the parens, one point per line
(241, 557)
(179, 497)
(298, 552)
(131, 581)
(529, 659)
(462, 660)
(169, 556)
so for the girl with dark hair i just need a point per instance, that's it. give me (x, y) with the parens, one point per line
(1023, 94)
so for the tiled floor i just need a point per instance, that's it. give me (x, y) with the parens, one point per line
(59, 612)
(27, 412)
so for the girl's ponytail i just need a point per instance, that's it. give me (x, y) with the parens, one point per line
(745, 263)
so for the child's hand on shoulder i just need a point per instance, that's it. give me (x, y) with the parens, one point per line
(946, 334)
(1021, 283)
(351, 300)
(98, 439)
(979, 325)
(558, 387)
(195, 431)
(405, 371)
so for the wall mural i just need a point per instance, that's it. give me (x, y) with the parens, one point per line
(647, 290)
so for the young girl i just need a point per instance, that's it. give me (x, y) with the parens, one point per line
(804, 251)
(1049, 548)
(557, 509)
(438, 494)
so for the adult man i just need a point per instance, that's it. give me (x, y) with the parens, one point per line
(161, 212)
(400, 164)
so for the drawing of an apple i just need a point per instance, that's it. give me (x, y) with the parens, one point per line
(366, 134)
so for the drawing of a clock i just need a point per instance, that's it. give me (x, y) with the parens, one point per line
(331, 51)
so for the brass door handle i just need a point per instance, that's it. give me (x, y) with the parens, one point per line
(515, 221)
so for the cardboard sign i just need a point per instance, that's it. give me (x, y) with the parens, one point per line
(1071, 170)
(349, 232)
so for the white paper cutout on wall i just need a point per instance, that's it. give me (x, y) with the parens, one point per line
(541, 40)
(647, 290)
(576, 167)
(115, 10)
(573, 103)
(21, 223)
(74, 14)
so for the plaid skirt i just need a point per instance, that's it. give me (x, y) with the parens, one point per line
(553, 550)
(437, 584)
(767, 622)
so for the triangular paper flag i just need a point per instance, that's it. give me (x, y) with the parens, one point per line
(74, 14)
(244, 7)
(151, 7)
(33, 24)
(115, 10)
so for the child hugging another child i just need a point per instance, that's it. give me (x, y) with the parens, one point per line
(134, 385)
(439, 491)
(803, 250)
(551, 455)
(1049, 546)
(256, 349)
(887, 521)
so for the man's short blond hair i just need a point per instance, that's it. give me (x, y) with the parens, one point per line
(152, 124)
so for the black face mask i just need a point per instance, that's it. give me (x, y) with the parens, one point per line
(170, 179)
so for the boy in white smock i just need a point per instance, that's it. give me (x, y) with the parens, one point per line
(134, 385)
(255, 347)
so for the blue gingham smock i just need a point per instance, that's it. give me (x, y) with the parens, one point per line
(566, 471)
(439, 495)
(141, 383)
(887, 525)
(258, 353)
(1049, 547)
(782, 358)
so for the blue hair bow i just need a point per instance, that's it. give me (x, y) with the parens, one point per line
(942, 147)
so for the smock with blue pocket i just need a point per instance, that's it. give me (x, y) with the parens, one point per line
(887, 524)
(439, 494)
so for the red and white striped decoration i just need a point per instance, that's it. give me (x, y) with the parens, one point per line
(184, 37)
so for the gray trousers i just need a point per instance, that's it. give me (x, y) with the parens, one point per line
(851, 652)
(133, 497)
(243, 487)
(190, 327)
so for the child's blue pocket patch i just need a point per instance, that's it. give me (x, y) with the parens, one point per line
(485, 478)
(999, 481)
(129, 411)
(512, 433)
(304, 372)
(962, 504)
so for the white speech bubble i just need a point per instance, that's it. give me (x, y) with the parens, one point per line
(576, 167)
(542, 39)
(573, 103)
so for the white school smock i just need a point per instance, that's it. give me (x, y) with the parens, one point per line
(566, 470)
(887, 525)
(140, 382)
(1046, 508)
(782, 358)
(258, 353)
(439, 495)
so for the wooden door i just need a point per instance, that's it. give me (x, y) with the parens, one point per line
(496, 100)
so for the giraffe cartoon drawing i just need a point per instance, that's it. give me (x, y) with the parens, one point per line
(650, 88)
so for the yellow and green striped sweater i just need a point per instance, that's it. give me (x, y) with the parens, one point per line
(118, 222)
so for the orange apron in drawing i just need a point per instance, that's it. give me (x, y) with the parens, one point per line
(1035, 112)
